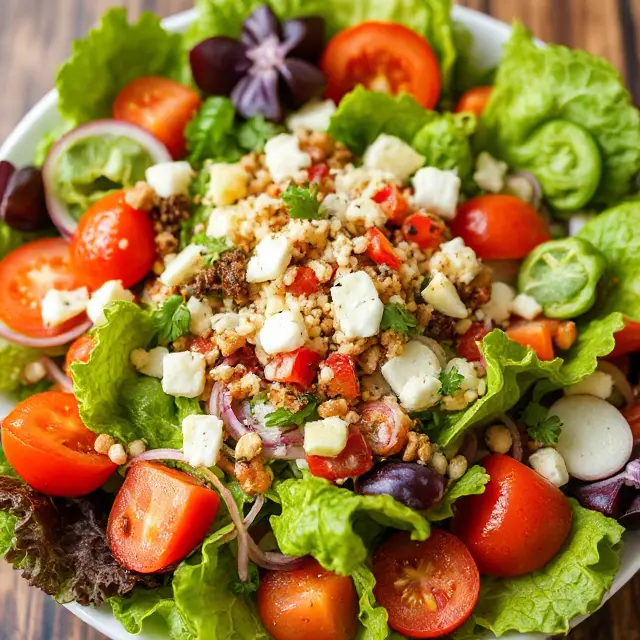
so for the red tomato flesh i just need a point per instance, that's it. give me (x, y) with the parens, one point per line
(426, 232)
(79, 351)
(474, 101)
(537, 335)
(500, 227)
(382, 56)
(428, 588)
(162, 107)
(113, 241)
(393, 203)
(518, 524)
(345, 381)
(297, 367)
(318, 172)
(27, 274)
(308, 603)
(49, 447)
(159, 516)
(305, 283)
(354, 460)
(469, 342)
(632, 416)
(380, 249)
(627, 340)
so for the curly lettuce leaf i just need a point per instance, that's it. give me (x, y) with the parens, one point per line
(334, 525)
(535, 86)
(113, 398)
(110, 57)
(372, 616)
(429, 18)
(545, 601)
(472, 483)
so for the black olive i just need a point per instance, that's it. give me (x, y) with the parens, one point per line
(23, 205)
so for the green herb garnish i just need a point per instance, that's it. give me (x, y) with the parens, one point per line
(284, 418)
(540, 426)
(171, 321)
(396, 318)
(451, 382)
(214, 247)
(302, 202)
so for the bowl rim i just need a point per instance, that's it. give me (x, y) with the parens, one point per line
(102, 619)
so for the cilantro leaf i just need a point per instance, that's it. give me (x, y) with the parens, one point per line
(302, 202)
(284, 418)
(214, 247)
(254, 133)
(540, 426)
(451, 382)
(172, 319)
(396, 318)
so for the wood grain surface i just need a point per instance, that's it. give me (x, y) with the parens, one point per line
(35, 36)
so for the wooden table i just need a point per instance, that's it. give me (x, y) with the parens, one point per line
(35, 36)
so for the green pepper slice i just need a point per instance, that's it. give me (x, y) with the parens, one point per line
(562, 275)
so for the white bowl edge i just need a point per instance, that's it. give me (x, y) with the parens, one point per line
(19, 148)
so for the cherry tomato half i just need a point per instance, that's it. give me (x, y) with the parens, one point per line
(26, 275)
(345, 380)
(113, 241)
(159, 516)
(426, 232)
(79, 351)
(308, 603)
(297, 367)
(353, 461)
(500, 227)
(382, 56)
(162, 107)
(474, 101)
(393, 203)
(627, 340)
(428, 588)
(518, 524)
(468, 342)
(380, 249)
(49, 447)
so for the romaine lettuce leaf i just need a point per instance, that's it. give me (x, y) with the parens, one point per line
(429, 18)
(545, 601)
(13, 358)
(335, 525)
(7, 527)
(372, 616)
(536, 87)
(10, 239)
(110, 57)
(113, 398)
(472, 483)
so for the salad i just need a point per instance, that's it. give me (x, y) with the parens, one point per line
(317, 328)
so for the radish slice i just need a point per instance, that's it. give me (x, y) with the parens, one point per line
(595, 440)
(58, 210)
(43, 343)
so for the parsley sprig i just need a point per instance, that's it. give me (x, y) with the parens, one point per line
(285, 418)
(451, 382)
(396, 317)
(540, 426)
(171, 321)
(214, 247)
(302, 202)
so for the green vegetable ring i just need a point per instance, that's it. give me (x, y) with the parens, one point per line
(562, 276)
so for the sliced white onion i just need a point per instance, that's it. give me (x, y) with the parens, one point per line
(44, 342)
(58, 210)
(595, 440)
(620, 381)
(56, 375)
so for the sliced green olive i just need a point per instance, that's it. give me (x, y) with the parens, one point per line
(566, 160)
(562, 276)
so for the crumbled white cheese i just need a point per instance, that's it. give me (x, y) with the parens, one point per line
(149, 363)
(326, 437)
(220, 322)
(437, 191)
(109, 292)
(442, 295)
(202, 439)
(228, 183)
(270, 258)
(221, 221)
(283, 332)
(389, 153)
(499, 307)
(170, 178)
(420, 393)
(201, 315)
(550, 465)
(184, 266)
(490, 173)
(183, 374)
(357, 306)
(315, 116)
(335, 204)
(457, 261)
(471, 380)
(60, 306)
(284, 158)
(526, 306)
(366, 211)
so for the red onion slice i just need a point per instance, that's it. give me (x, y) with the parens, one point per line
(58, 210)
(273, 560)
(56, 375)
(158, 454)
(44, 342)
(516, 437)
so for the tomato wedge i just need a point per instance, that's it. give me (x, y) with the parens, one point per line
(518, 524)
(354, 460)
(49, 447)
(468, 343)
(26, 275)
(79, 351)
(428, 588)
(474, 101)
(162, 107)
(308, 603)
(426, 232)
(393, 203)
(297, 367)
(382, 56)
(305, 283)
(380, 249)
(345, 381)
(159, 516)
(113, 241)
(627, 340)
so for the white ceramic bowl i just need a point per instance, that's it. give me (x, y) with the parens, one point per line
(489, 34)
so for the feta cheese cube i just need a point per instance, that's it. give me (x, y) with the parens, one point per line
(498, 309)
(457, 261)
(438, 191)
(443, 297)
(367, 212)
(335, 204)
(315, 116)
(270, 258)
(550, 465)
(356, 305)
(416, 361)
(526, 306)
(228, 183)
(201, 315)
(202, 440)
(109, 292)
(420, 393)
(284, 158)
(221, 221)
(352, 179)
(283, 332)
(149, 363)
(60, 306)
(170, 178)
(598, 384)
(388, 153)
(220, 322)
(184, 266)
(183, 374)
(326, 437)
(490, 173)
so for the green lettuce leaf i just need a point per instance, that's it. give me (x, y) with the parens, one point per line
(545, 601)
(372, 616)
(10, 239)
(552, 87)
(13, 358)
(429, 18)
(130, 406)
(334, 525)
(7, 527)
(472, 483)
(110, 57)
(469, 71)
